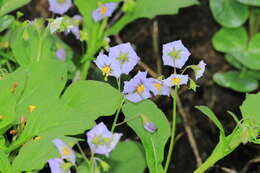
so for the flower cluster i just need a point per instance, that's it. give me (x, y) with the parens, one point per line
(100, 141)
(122, 59)
(105, 10)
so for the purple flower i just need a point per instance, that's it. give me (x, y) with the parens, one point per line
(148, 124)
(159, 87)
(200, 71)
(61, 54)
(107, 66)
(55, 24)
(57, 165)
(101, 140)
(59, 6)
(176, 80)
(105, 10)
(138, 88)
(125, 55)
(65, 151)
(175, 54)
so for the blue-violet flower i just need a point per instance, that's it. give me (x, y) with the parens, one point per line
(175, 54)
(138, 88)
(101, 140)
(59, 6)
(65, 151)
(105, 10)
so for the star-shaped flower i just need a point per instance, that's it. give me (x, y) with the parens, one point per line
(108, 66)
(101, 140)
(105, 10)
(176, 80)
(65, 151)
(138, 88)
(125, 55)
(175, 54)
(159, 87)
(59, 6)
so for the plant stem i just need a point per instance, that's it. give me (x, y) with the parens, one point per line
(92, 169)
(118, 109)
(84, 71)
(83, 154)
(174, 96)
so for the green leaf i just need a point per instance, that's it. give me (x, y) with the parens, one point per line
(250, 57)
(235, 81)
(193, 85)
(206, 111)
(233, 61)
(250, 108)
(146, 9)
(229, 13)
(153, 143)
(4, 162)
(7, 6)
(39, 44)
(230, 39)
(132, 159)
(5, 21)
(35, 153)
(83, 168)
(250, 2)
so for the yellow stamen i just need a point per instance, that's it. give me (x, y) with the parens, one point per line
(37, 138)
(65, 151)
(12, 132)
(106, 71)
(31, 108)
(158, 86)
(176, 81)
(140, 89)
(103, 10)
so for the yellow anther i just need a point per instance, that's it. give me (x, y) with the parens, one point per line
(31, 108)
(106, 71)
(1, 117)
(61, 1)
(158, 86)
(37, 138)
(65, 151)
(140, 89)
(176, 81)
(12, 132)
(103, 10)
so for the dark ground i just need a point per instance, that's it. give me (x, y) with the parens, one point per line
(195, 26)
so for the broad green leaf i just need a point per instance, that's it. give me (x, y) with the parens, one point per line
(4, 163)
(250, 2)
(92, 98)
(250, 107)
(39, 44)
(230, 39)
(5, 21)
(233, 61)
(229, 13)
(7, 6)
(251, 56)
(11, 88)
(146, 9)
(35, 153)
(128, 156)
(206, 111)
(153, 143)
(235, 81)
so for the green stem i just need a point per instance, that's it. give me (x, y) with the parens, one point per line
(92, 169)
(173, 130)
(118, 109)
(84, 71)
(83, 154)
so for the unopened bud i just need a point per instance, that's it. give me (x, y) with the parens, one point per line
(12, 132)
